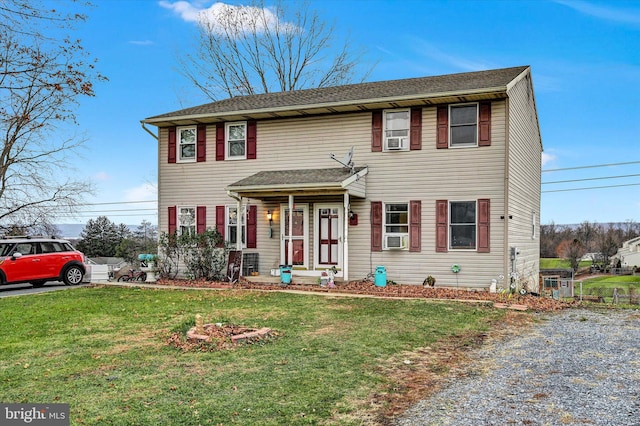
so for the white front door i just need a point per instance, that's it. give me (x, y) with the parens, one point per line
(299, 236)
(328, 235)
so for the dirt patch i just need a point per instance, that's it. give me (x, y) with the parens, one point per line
(215, 337)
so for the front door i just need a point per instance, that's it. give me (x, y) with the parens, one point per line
(328, 235)
(299, 236)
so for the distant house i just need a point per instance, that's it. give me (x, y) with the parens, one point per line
(431, 176)
(629, 253)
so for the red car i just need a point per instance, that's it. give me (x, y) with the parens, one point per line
(38, 260)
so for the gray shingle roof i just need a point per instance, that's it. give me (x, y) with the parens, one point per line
(332, 176)
(353, 93)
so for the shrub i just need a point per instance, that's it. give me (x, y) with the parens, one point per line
(204, 255)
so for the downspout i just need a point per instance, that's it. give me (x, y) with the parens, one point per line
(506, 193)
(153, 135)
(238, 219)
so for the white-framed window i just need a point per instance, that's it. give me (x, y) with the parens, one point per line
(462, 225)
(186, 144)
(186, 220)
(463, 125)
(396, 129)
(236, 140)
(396, 226)
(534, 220)
(231, 222)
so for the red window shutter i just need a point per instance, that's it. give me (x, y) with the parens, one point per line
(173, 219)
(484, 219)
(415, 225)
(172, 145)
(220, 220)
(376, 131)
(252, 227)
(201, 219)
(220, 142)
(251, 140)
(415, 142)
(442, 219)
(376, 226)
(442, 137)
(201, 146)
(484, 124)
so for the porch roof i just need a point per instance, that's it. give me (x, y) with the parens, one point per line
(302, 182)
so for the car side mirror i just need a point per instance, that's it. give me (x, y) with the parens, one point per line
(16, 255)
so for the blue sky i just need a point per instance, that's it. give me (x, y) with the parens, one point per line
(585, 59)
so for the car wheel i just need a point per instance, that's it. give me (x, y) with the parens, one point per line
(73, 275)
(37, 284)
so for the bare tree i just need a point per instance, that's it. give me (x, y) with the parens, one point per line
(245, 50)
(43, 73)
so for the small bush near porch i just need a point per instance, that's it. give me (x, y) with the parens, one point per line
(105, 352)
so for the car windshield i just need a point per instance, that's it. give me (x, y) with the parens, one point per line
(5, 248)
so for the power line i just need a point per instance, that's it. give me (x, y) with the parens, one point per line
(592, 187)
(591, 167)
(585, 179)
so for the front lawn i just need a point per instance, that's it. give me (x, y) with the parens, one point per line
(104, 351)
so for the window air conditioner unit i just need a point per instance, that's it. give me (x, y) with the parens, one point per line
(395, 241)
(396, 143)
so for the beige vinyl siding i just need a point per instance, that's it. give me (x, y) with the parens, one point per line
(400, 176)
(524, 180)
(461, 174)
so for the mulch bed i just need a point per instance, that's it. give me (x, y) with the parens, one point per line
(514, 301)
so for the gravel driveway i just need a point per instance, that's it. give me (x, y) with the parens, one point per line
(574, 367)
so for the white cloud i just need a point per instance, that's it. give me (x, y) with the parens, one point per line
(186, 10)
(547, 158)
(247, 16)
(143, 192)
(608, 12)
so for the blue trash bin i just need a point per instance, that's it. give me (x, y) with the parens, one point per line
(285, 274)
(380, 279)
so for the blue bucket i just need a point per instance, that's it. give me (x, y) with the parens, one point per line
(380, 279)
(285, 274)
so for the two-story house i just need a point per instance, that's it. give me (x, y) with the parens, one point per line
(431, 176)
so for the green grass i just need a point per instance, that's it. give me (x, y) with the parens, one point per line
(103, 351)
(604, 286)
(552, 263)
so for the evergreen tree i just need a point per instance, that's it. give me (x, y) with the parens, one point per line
(100, 237)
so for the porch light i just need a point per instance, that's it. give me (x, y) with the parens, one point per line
(270, 217)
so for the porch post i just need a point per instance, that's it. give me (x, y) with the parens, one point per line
(345, 244)
(239, 224)
(290, 236)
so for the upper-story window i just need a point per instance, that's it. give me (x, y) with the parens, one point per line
(463, 125)
(186, 144)
(462, 224)
(187, 220)
(236, 140)
(396, 129)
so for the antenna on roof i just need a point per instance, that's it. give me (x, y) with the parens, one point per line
(347, 161)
